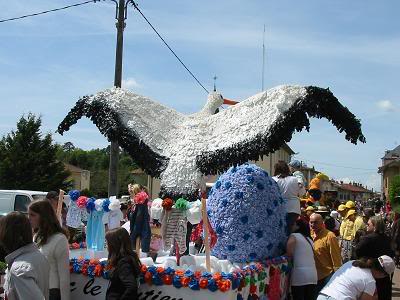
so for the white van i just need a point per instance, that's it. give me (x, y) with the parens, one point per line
(18, 200)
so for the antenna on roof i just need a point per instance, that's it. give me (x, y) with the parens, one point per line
(263, 61)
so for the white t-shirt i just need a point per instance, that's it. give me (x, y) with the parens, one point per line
(350, 282)
(289, 187)
(114, 218)
(304, 271)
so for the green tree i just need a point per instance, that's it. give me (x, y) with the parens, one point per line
(28, 159)
(394, 188)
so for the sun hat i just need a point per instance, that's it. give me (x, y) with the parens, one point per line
(295, 164)
(387, 264)
(310, 208)
(350, 204)
(322, 209)
(342, 207)
(350, 212)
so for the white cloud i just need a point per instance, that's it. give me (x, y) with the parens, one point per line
(386, 106)
(130, 83)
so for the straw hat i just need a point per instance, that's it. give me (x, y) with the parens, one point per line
(322, 209)
(310, 208)
(350, 204)
(342, 207)
(350, 212)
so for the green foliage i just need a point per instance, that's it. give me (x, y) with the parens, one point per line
(28, 159)
(97, 161)
(394, 188)
(3, 267)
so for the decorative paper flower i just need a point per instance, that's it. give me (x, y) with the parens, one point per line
(185, 281)
(114, 204)
(81, 202)
(167, 203)
(181, 204)
(140, 197)
(106, 204)
(177, 282)
(167, 279)
(156, 209)
(74, 195)
(98, 204)
(246, 218)
(212, 285)
(90, 206)
(194, 285)
(203, 283)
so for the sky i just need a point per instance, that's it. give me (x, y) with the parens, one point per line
(353, 47)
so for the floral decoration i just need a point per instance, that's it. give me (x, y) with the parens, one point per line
(74, 195)
(81, 202)
(90, 206)
(106, 204)
(181, 204)
(254, 276)
(167, 203)
(141, 197)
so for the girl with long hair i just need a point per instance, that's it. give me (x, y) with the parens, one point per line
(304, 273)
(52, 242)
(125, 266)
(27, 275)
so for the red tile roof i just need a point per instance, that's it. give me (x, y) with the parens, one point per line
(353, 188)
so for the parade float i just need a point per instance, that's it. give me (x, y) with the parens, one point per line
(244, 217)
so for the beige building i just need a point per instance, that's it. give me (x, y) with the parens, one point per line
(79, 177)
(390, 168)
(267, 163)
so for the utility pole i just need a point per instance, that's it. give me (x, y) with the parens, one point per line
(120, 16)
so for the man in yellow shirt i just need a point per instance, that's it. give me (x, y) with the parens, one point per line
(358, 222)
(326, 251)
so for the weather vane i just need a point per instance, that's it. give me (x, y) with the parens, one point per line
(215, 81)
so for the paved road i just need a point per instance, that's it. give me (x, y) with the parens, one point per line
(396, 286)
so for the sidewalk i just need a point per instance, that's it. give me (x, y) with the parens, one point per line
(396, 286)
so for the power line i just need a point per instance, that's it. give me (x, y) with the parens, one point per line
(47, 11)
(94, 1)
(173, 52)
(333, 165)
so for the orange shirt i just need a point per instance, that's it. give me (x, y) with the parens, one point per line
(326, 253)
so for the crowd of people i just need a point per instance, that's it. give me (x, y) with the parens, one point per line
(337, 252)
(36, 250)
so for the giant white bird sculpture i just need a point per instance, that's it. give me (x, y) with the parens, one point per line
(180, 148)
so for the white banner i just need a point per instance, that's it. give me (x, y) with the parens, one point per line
(86, 288)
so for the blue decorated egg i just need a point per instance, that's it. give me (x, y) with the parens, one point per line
(248, 214)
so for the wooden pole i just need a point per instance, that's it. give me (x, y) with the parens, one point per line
(206, 234)
(138, 246)
(177, 254)
(59, 206)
